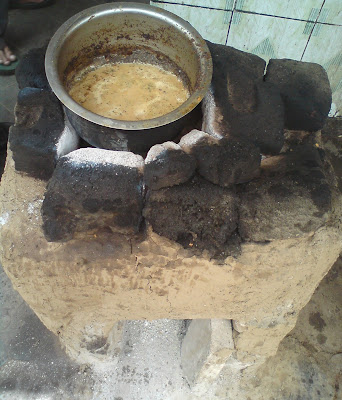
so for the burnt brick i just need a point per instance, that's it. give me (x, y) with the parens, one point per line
(30, 71)
(40, 134)
(240, 104)
(167, 165)
(93, 189)
(196, 214)
(291, 198)
(305, 90)
(222, 161)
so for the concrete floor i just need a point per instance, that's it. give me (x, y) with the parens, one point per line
(32, 363)
(33, 366)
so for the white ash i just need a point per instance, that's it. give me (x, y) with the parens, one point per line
(33, 208)
(195, 136)
(92, 156)
(148, 367)
(155, 151)
(4, 218)
(68, 141)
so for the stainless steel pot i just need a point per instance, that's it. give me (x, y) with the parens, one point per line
(126, 32)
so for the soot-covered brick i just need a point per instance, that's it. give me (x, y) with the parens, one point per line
(93, 189)
(222, 161)
(291, 198)
(305, 90)
(40, 134)
(166, 165)
(31, 70)
(196, 214)
(239, 104)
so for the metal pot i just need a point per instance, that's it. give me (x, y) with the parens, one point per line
(126, 32)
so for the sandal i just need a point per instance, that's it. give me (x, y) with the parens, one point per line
(17, 4)
(8, 69)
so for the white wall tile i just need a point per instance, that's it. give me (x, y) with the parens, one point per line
(325, 43)
(222, 4)
(331, 12)
(268, 37)
(302, 9)
(211, 24)
(271, 37)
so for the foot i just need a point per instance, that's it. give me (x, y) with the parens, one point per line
(6, 56)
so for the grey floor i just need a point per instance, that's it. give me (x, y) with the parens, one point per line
(32, 362)
(33, 28)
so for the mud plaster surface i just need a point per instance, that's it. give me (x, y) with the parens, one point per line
(79, 289)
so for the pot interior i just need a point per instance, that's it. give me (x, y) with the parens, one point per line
(125, 33)
(125, 84)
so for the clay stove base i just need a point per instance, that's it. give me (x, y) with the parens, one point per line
(149, 367)
(81, 288)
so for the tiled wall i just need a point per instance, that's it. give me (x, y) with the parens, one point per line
(307, 30)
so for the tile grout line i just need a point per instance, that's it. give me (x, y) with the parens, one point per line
(230, 22)
(6, 107)
(307, 43)
(190, 5)
(10, 112)
(243, 12)
(8, 85)
(288, 18)
(3, 104)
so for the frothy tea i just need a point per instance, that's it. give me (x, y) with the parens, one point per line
(129, 91)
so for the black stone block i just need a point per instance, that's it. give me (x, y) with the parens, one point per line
(167, 165)
(93, 189)
(222, 161)
(305, 90)
(197, 214)
(240, 104)
(40, 135)
(30, 71)
(291, 198)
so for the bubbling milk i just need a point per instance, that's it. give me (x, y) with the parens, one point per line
(129, 91)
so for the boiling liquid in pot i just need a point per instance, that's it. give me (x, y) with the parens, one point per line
(129, 91)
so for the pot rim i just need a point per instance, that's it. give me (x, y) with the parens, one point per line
(57, 41)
